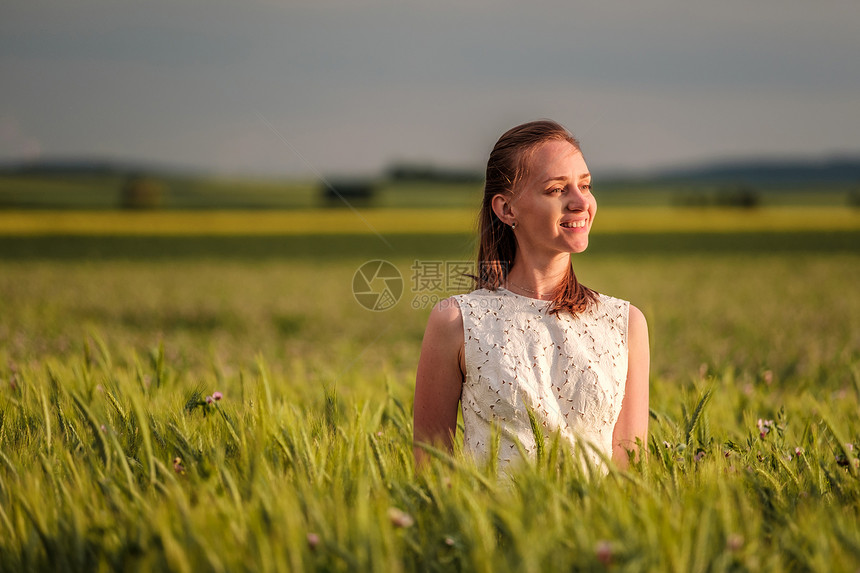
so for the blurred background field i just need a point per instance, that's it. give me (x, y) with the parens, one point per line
(748, 312)
(232, 269)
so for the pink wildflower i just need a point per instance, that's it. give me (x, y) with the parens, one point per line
(217, 396)
(734, 542)
(209, 399)
(313, 540)
(798, 451)
(400, 518)
(764, 427)
(603, 551)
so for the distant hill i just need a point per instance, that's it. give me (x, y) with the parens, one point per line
(784, 173)
(769, 172)
(89, 167)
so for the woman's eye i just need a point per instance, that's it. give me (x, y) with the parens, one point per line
(587, 187)
(557, 190)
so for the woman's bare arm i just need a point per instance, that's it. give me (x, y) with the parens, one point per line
(439, 381)
(633, 420)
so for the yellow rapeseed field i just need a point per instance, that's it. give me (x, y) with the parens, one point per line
(382, 221)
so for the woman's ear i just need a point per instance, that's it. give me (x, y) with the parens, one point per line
(502, 208)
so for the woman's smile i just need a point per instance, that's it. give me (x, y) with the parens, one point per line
(576, 226)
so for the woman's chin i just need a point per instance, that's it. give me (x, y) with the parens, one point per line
(578, 246)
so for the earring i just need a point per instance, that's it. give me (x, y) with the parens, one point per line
(513, 225)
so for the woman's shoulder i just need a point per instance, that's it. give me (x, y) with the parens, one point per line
(476, 298)
(635, 318)
(603, 298)
(478, 293)
(446, 308)
(446, 316)
(604, 303)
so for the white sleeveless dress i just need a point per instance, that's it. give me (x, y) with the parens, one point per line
(569, 370)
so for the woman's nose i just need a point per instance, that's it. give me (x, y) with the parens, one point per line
(576, 201)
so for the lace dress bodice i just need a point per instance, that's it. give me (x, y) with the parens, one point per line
(569, 370)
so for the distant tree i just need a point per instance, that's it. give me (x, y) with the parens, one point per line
(738, 196)
(141, 192)
(352, 191)
(411, 172)
(425, 172)
(691, 198)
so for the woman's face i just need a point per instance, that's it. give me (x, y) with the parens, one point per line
(553, 206)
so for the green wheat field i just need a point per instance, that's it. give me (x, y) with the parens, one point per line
(195, 399)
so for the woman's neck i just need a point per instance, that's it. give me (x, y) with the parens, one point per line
(537, 279)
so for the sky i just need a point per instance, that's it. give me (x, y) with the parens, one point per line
(309, 88)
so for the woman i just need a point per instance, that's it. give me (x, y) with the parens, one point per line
(531, 340)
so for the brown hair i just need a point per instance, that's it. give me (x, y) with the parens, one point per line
(507, 166)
